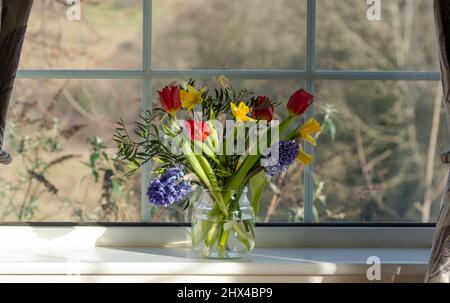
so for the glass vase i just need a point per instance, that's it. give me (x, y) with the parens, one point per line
(223, 224)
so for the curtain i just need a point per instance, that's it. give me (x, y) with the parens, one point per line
(439, 266)
(13, 19)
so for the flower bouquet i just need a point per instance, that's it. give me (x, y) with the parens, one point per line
(227, 144)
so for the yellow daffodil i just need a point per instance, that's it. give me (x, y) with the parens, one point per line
(304, 157)
(240, 112)
(311, 127)
(191, 97)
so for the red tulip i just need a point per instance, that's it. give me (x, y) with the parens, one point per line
(170, 99)
(197, 130)
(263, 109)
(299, 102)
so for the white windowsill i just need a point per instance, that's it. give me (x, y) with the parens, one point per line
(151, 264)
(162, 254)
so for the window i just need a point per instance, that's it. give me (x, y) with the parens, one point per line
(376, 85)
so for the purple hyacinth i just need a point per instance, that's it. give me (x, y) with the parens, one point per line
(287, 153)
(169, 189)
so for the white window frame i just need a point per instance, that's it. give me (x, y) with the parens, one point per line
(310, 75)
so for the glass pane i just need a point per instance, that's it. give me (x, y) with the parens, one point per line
(60, 135)
(109, 35)
(404, 38)
(372, 159)
(229, 34)
(282, 200)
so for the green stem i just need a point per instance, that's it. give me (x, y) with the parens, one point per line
(205, 149)
(243, 170)
(223, 243)
(210, 238)
(195, 165)
(213, 137)
(237, 180)
(215, 232)
(216, 192)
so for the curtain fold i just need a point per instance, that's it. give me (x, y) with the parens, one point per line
(439, 266)
(13, 23)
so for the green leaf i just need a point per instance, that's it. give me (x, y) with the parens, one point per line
(96, 175)
(94, 157)
(256, 186)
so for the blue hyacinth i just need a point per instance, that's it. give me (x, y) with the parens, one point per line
(287, 153)
(169, 189)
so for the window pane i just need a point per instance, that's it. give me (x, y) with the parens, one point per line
(109, 35)
(282, 200)
(372, 159)
(60, 135)
(229, 34)
(403, 39)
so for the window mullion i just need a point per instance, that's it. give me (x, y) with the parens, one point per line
(146, 101)
(310, 71)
